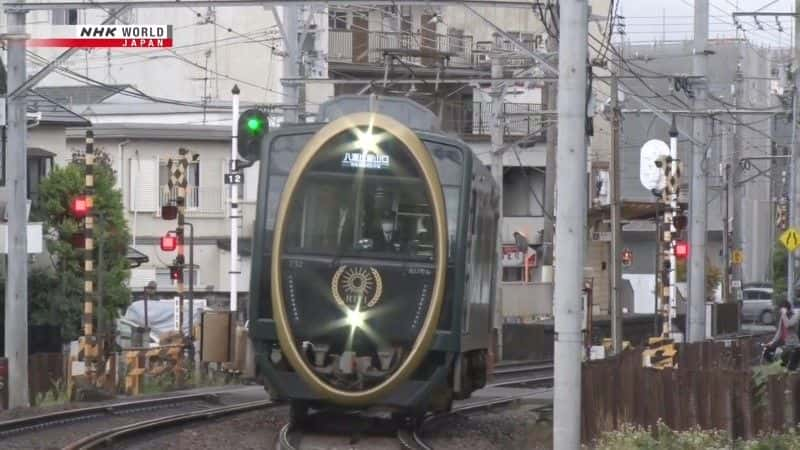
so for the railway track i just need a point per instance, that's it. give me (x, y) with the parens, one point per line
(529, 373)
(108, 438)
(70, 428)
(150, 415)
(291, 437)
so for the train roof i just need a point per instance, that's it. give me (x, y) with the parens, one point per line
(402, 109)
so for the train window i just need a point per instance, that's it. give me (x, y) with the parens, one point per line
(276, 183)
(284, 150)
(353, 201)
(449, 162)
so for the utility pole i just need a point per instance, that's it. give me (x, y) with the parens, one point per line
(790, 278)
(291, 97)
(570, 242)
(234, 271)
(548, 229)
(727, 262)
(616, 213)
(698, 225)
(735, 206)
(497, 130)
(16, 321)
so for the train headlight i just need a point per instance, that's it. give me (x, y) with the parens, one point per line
(275, 355)
(355, 318)
(367, 140)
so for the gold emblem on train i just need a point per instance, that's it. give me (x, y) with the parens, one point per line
(352, 286)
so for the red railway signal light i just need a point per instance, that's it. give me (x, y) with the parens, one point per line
(176, 273)
(169, 242)
(681, 249)
(80, 206)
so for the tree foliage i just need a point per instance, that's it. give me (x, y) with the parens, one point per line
(779, 272)
(57, 295)
(713, 276)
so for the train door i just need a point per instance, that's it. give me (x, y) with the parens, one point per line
(473, 259)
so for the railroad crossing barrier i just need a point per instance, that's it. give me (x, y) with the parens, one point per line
(153, 362)
(660, 353)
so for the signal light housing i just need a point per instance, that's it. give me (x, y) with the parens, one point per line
(680, 221)
(80, 206)
(169, 242)
(252, 127)
(681, 249)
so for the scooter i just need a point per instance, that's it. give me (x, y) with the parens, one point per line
(788, 355)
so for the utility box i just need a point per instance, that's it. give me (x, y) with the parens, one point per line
(216, 336)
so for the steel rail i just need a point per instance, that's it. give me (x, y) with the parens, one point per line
(104, 438)
(21, 425)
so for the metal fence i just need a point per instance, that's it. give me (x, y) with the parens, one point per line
(199, 200)
(475, 118)
(341, 45)
(713, 388)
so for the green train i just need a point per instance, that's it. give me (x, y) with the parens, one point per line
(374, 261)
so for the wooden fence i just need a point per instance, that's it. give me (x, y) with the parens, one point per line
(45, 370)
(712, 388)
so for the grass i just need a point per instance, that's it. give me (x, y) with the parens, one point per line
(58, 394)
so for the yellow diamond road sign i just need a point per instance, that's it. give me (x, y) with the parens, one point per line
(737, 257)
(790, 239)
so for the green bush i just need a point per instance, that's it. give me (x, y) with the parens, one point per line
(631, 437)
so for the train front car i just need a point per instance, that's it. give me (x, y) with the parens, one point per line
(354, 294)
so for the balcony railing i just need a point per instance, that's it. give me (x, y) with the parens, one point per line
(353, 46)
(199, 200)
(475, 119)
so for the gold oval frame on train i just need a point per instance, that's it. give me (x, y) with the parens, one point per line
(425, 337)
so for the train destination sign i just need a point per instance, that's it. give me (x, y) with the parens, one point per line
(370, 160)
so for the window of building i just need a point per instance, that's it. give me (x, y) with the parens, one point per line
(64, 17)
(168, 195)
(523, 190)
(337, 20)
(511, 274)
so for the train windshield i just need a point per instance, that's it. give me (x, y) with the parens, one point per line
(364, 201)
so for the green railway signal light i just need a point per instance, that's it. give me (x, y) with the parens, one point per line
(252, 128)
(255, 125)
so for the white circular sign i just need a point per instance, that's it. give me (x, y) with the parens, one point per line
(649, 174)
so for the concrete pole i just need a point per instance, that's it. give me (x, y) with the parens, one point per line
(698, 226)
(16, 322)
(616, 215)
(291, 91)
(551, 93)
(497, 127)
(790, 278)
(727, 265)
(233, 271)
(735, 206)
(570, 242)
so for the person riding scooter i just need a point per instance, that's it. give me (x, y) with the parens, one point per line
(785, 336)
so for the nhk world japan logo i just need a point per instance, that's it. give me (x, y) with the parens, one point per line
(106, 36)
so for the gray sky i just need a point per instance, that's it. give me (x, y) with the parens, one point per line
(648, 20)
